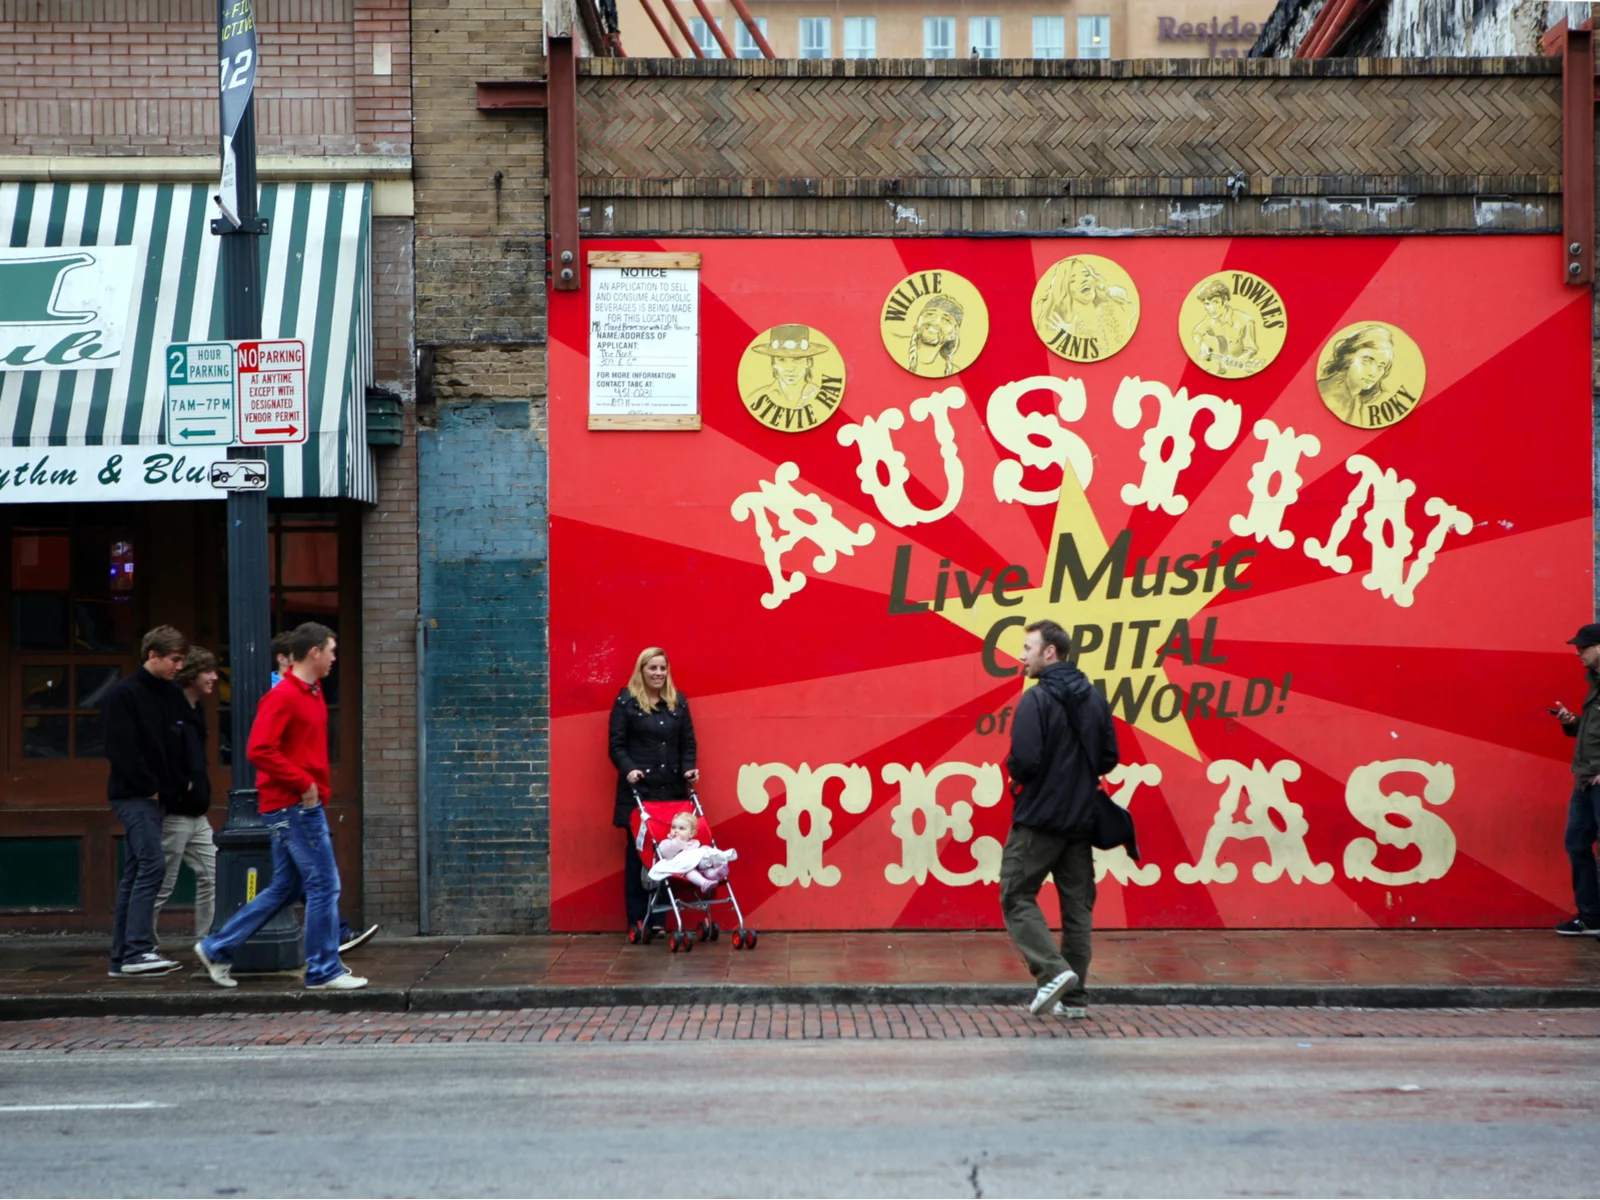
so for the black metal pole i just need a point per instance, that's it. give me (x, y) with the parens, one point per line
(244, 847)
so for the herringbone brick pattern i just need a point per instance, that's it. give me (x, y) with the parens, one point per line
(676, 134)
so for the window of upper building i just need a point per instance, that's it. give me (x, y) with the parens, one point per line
(1094, 37)
(938, 37)
(861, 37)
(1049, 37)
(704, 38)
(983, 37)
(744, 46)
(816, 37)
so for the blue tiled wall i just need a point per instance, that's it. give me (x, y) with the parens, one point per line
(484, 553)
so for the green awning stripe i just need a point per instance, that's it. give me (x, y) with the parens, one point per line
(144, 347)
(322, 332)
(93, 205)
(188, 272)
(58, 216)
(29, 399)
(316, 284)
(62, 414)
(353, 412)
(19, 226)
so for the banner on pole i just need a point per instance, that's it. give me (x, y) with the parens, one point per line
(237, 81)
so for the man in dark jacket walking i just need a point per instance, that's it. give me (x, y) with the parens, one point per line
(1062, 742)
(143, 743)
(1583, 808)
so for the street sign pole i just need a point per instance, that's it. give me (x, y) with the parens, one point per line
(244, 847)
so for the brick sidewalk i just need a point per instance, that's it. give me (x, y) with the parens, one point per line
(60, 976)
(779, 1022)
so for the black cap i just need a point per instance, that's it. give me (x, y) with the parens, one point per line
(1588, 636)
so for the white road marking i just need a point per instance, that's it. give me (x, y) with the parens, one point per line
(27, 1108)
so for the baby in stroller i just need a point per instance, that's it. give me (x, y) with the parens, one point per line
(682, 854)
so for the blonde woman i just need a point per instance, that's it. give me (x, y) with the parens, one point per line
(653, 749)
(1081, 304)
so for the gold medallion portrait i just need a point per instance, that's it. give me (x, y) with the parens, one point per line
(1085, 308)
(1232, 324)
(934, 324)
(791, 378)
(1371, 374)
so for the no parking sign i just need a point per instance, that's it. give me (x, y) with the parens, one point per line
(272, 392)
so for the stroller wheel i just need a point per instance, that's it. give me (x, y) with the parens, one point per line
(672, 941)
(635, 934)
(715, 930)
(749, 939)
(701, 934)
(738, 939)
(688, 942)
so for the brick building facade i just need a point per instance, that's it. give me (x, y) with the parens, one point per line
(480, 332)
(121, 94)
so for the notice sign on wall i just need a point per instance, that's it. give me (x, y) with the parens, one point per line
(644, 340)
(272, 393)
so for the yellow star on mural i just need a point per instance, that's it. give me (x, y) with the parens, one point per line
(1134, 668)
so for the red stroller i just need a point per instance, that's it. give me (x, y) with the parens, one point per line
(650, 823)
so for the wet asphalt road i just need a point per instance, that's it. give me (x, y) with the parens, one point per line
(1203, 1116)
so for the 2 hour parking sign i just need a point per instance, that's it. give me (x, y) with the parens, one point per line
(200, 393)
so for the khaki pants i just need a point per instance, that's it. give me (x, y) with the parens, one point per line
(188, 840)
(1029, 857)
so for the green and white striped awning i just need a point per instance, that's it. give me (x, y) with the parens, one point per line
(317, 286)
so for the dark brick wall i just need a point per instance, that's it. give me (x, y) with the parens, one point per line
(484, 552)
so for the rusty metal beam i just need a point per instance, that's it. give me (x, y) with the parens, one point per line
(1335, 25)
(756, 35)
(562, 130)
(716, 30)
(512, 95)
(683, 28)
(650, 11)
(1577, 155)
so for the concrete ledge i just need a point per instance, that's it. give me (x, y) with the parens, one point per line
(390, 174)
(199, 1002)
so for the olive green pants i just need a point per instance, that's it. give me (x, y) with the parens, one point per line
(1031, 856)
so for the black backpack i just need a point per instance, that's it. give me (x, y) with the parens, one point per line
(1111, 825)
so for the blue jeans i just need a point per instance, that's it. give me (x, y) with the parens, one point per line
(302, 862)
(1583, 823)
(144, 866)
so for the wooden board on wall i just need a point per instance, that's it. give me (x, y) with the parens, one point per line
(644, 258)
(646, 421)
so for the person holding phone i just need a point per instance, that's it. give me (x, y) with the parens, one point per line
(1583, 810)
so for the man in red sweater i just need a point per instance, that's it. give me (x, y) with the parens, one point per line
(289, 748)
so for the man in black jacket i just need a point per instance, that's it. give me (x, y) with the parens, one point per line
(1062, 742)
(142, 740)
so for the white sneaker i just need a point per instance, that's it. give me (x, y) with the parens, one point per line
(357, 939)
(347, 982)
(221, 973)
(1046, 995)
(1075, 1012)
(148, 963)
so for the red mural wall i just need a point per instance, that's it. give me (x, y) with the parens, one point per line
(1320, 533)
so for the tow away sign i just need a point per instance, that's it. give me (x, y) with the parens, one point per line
(272, 392)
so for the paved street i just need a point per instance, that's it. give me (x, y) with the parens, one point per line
(857, 1100)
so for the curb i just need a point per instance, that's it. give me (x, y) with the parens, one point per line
(211, 1001)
